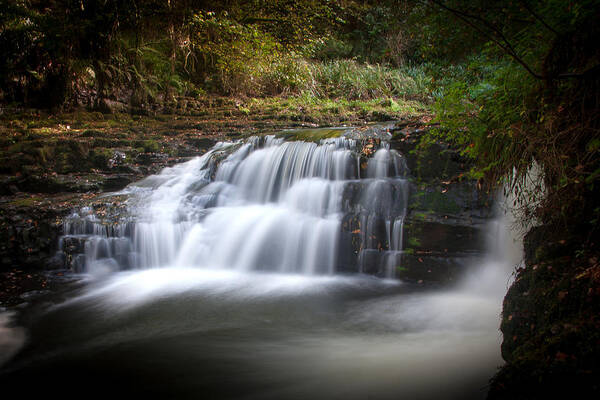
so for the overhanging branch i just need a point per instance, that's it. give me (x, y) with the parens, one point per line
(495, 35)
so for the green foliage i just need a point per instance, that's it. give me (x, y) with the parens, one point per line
(160, 49)
(435, 202)
(352, 80)
(413, 242)
(515, 106)
(514, 83)
(232, 54)
(147, 146)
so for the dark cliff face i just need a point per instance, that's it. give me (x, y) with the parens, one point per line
(551, 319)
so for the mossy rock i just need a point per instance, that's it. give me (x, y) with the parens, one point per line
(436, 202)
(147, 146)
(100, 157)
(311, 135)
(94, 133)
(442, 238)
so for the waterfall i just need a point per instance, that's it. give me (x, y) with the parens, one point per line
(303, 214)
(263, 204)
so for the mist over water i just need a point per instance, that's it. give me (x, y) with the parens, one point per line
(226, 282)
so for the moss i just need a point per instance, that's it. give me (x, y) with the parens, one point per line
(311, 135)
(100, 157)
(147, 146)
(25, 202)
(106, 142)
(414, 242)
(36, 135)
(45, 154)
(436, 202)
(93, 133)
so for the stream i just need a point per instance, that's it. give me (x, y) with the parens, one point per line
(247, 273)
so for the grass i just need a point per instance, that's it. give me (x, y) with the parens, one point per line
(309, 108)
(25, 201)
(337, 79)
(355, 81)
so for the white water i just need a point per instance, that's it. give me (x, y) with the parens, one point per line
(223, 283)
(268, 205)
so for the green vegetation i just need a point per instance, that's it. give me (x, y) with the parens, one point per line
(510, 104)
(313, 109)
(413, 242)
(311, 135)
(25, 201)
(87, 52)
(435, 202)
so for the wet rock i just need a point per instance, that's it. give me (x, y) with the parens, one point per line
(200, 143)
(369, 262)
(41, 184)
(117, 182)
(550, 326)
(58, 261)
(443, 238)
(31, 238)
(423, 267)
(151, 158)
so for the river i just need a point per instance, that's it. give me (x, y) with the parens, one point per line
(229, 278)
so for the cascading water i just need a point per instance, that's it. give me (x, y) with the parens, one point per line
(267, 205)
(180, 312)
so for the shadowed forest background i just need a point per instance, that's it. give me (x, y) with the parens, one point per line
(509, 84)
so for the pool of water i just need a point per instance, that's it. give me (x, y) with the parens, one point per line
(202, 333)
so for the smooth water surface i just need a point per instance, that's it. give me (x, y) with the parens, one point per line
(193, 333)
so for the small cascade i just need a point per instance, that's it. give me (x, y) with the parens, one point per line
(386, 163)
(263, 204)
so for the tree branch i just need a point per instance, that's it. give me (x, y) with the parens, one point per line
(538, 17)
(503, 43)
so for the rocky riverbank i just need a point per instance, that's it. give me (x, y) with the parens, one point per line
(551, 318)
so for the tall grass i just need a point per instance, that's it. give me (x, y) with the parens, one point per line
(346, 79)
(355, 81)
